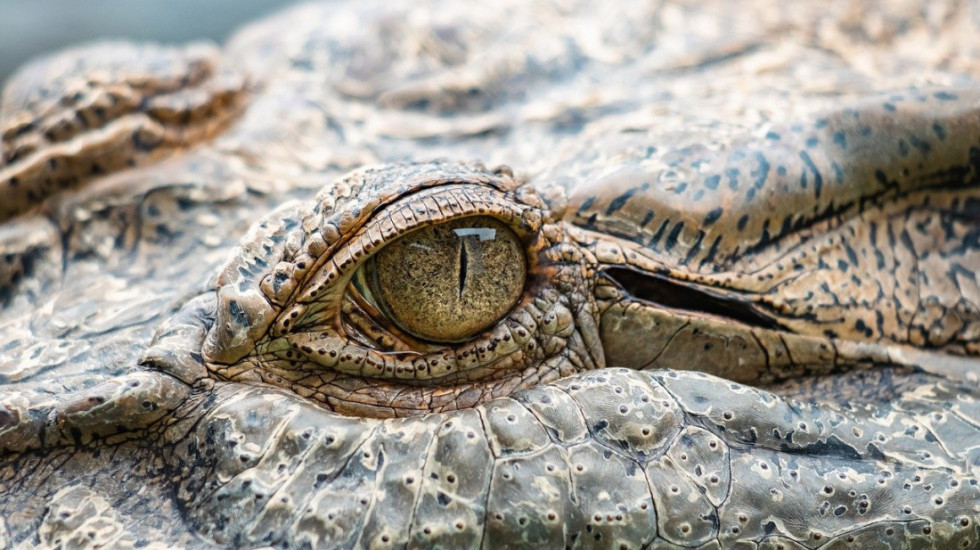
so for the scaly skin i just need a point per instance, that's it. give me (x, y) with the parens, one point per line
(791, 282)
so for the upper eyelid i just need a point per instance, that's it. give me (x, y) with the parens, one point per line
(351, 254)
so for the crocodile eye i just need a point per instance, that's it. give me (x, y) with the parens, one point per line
(449, 281)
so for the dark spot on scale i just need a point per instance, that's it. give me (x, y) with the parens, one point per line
(278, 280)
(883, 180)
(765, 237)
(712, 252)
(732, 174)
(144, 141)
(889, 107)
(812, 142)
(903, 148)
(787, 225)
(817, 178)
(711, 182)
(238, 314)
(781, 170)
(833, 447)
(621, 200)
(939, 130)
(838, 171)
(761, 172)
(842, 265)
(742, 222)
(921, 145)
(695, 248)
(863, 328)
(713, 216)
(773, 136)
(321, 479)
(907, 241)
(587, 204)
(660, 231)
(672, 237)
(647, 218)
(840, 139)
(944, 96)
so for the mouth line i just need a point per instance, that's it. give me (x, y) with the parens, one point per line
(688, 297)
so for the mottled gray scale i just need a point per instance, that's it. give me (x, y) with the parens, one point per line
(692, 519)
(862, 490)
(530, 518)
(390, 514)
(249, 454)
(557, 412)
(452, 502)
(803, 427)
(513, 429)
(617, 508)
(704, 458)
(635, 419)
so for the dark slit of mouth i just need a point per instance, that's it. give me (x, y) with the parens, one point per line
(657, 289)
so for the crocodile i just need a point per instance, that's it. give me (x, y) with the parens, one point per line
(517, 274)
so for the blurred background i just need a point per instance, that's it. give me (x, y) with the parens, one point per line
(29, 28)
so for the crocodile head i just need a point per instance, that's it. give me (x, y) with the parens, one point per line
(683, 319)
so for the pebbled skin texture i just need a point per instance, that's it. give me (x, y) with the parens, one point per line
(768, 214)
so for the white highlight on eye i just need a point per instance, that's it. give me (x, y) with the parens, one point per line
(484, 233)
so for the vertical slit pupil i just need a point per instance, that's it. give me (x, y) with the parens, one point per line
(462, 267)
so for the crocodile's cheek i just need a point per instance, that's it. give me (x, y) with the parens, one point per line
(681, 341)
(681, 328)
(685, 325)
